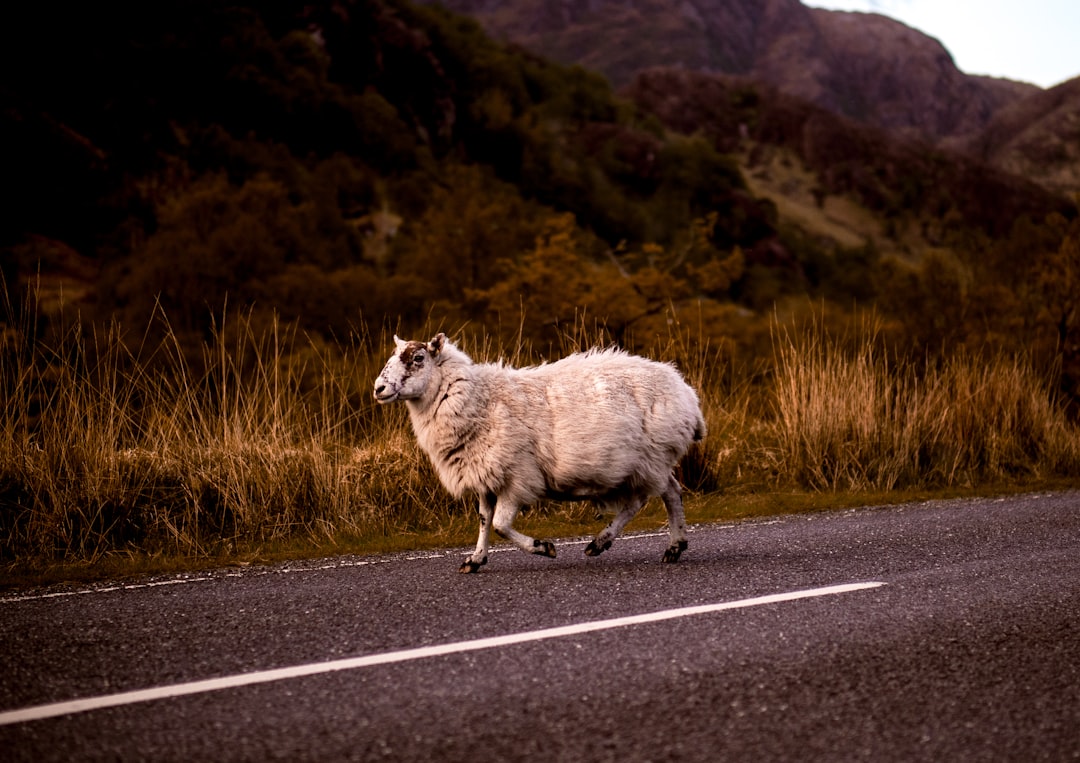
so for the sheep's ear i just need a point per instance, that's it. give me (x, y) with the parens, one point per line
(399, 342)
(436, 343)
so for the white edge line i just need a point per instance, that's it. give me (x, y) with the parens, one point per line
(337, 565)
(86, 704)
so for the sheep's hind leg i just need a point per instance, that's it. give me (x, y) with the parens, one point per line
(603, 541)
(479, 557)
(504, 526)
(672, 496)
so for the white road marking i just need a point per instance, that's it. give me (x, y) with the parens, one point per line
(284, 570)
(86, 704)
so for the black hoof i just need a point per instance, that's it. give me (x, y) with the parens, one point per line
(470, 566)
(673, 552)
(544, 548)
(594, 550)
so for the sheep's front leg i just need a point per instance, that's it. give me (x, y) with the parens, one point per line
(602, 542)
(505, 511)
(478, 558)
(672, 496)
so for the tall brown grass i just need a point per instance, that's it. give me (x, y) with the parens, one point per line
(847, 418)
(106, 448)
(110, 444)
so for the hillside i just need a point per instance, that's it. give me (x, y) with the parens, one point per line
(322, 160)
(1037, 137)
(863, 66)
(376, 164)
(895, 178)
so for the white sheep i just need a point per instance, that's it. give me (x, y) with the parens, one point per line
(601, 425)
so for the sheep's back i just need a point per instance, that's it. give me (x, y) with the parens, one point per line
(583, 425)
(612, 417)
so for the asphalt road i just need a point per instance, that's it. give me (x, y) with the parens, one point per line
(969, 649)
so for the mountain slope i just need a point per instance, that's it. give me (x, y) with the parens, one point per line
(344, 160)
(896, 178)
(890, 75)
(864, 66)
(1038, 137)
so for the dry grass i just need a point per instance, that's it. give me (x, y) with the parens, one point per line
(848, 419)
(110, 447)
(105, 449)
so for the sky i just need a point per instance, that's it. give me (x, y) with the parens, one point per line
(1034, 41)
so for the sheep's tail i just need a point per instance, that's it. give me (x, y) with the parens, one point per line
(700, 430)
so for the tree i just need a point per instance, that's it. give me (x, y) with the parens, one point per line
(557, 283)
(214, 242)
(471, 222)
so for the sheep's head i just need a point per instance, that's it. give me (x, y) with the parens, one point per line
(407, 373)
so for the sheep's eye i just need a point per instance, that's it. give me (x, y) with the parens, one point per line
(418, 358)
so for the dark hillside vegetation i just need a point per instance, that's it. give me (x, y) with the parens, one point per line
(339, 162)
(205, 150)
(978, 244)
(893, 177)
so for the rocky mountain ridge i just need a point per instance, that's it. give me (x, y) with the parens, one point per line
(1038, 137)
(864, 66)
